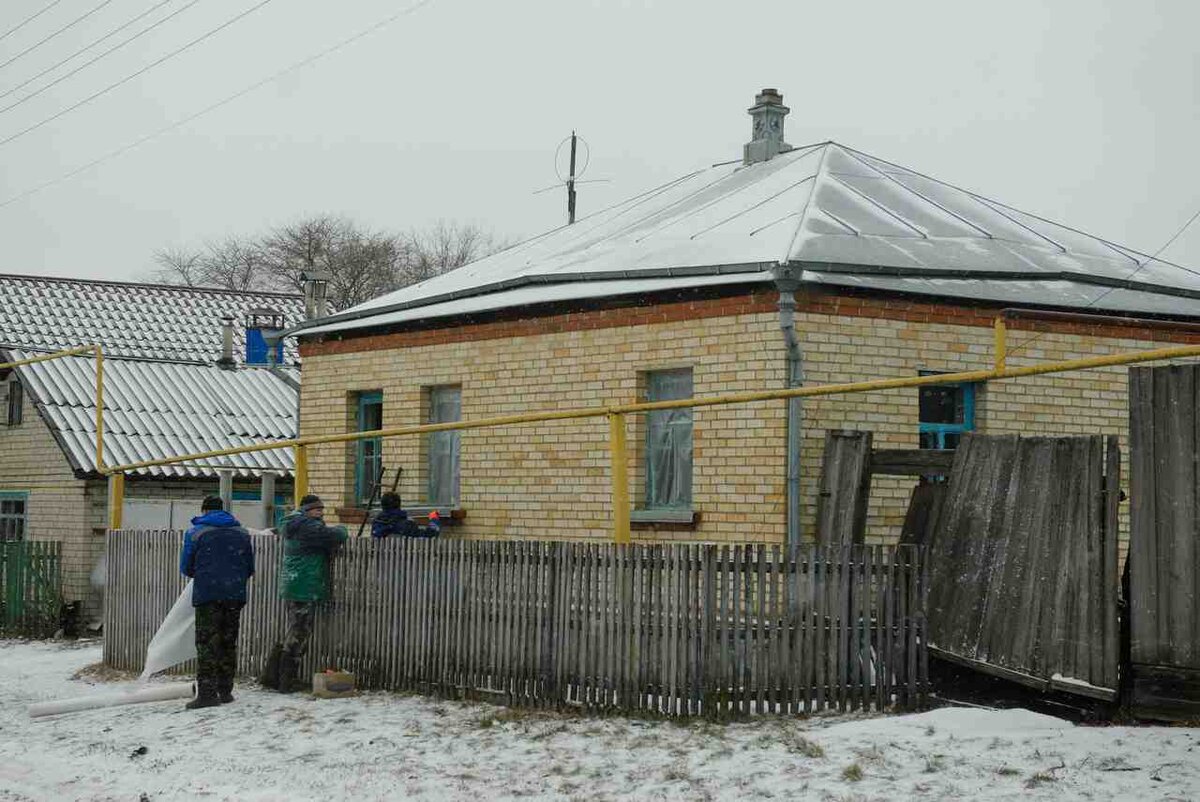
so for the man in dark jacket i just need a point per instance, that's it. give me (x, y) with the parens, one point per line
(307, 545)
(219, 557)
(393, 521)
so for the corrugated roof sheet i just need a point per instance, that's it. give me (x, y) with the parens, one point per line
(158, 409)
(828, 208)
(143, 321)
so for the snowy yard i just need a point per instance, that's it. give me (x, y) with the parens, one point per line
(382, 746)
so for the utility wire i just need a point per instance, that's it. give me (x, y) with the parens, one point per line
(304, 62)
(47, 38)
(85, 48)
(92, 61)
(28, 20)
(1137, 270)
(133, 75)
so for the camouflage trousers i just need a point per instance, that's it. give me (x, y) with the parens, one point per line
(300, 624)
(217, 625)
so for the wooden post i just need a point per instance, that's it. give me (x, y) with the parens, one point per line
(267, 499)
(301, 474)
(620, 477)
(116, 500)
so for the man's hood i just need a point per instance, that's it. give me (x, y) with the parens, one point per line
(215, 518)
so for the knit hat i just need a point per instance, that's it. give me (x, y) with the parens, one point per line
(311, 503)
(211, 504)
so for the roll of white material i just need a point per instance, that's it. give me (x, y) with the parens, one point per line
(157, 693)
(175, 641)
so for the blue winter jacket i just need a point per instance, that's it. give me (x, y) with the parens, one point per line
(218, 555)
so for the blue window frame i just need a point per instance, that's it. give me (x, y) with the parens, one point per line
(368, 453)
(946, 411)
(14, 505)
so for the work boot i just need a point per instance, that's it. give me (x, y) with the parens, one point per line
(203, 700)
(270, 673)
(288, 683)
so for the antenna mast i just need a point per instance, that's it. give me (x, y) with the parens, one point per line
(571, 185)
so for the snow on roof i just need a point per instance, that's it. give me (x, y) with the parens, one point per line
(844, 216)
(161, 409)
(145, 321)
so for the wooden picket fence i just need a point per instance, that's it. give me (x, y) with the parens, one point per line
(671, 629)
(30, 588)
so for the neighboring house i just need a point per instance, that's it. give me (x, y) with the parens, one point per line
(689, 289)
(164, 394)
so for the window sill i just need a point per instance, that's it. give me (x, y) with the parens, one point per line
(657, 520)
(420, 514)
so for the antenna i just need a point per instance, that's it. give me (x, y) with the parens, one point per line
(571, 184)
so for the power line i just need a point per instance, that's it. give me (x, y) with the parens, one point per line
(85, 48)
(133, 75)
(304, 62)
(28, 20)
(92, 61)
(1137, 270)
(45, 39)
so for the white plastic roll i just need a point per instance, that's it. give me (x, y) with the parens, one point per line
(157, 693)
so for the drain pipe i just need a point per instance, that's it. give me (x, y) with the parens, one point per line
(787, 282)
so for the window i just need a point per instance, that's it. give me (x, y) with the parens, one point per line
(369, 452)
(12, 514)
(669, 442)
(15, 397)
(445, 406)
(946, 411)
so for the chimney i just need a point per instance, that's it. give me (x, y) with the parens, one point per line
(226, 360)
(766, 139)
(264, 346)
(316, 282)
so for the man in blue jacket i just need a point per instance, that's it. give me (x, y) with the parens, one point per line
(218, 555)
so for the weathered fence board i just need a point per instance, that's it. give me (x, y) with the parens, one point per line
(1022, 560)
(30, 588)
(845, 487)
(1164, 542)
(679, 630)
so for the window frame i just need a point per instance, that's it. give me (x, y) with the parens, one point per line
(364, 484)
(940, 430)
(10, 496)
(14, 413)
(434, 496)
(653, 484)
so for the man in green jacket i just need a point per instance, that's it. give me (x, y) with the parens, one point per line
(307, 546)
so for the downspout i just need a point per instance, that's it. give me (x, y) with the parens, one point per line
(787, 282)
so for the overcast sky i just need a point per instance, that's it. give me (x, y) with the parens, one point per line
(1082, 112)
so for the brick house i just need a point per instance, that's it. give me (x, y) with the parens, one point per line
(813, 265)
(167, 391)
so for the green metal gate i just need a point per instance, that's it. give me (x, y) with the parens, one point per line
(30, 588)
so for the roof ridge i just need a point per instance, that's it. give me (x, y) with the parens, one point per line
(148, 285)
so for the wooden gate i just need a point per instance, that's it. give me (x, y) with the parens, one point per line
(1023, 562)
(30, 588)
(1164, 542)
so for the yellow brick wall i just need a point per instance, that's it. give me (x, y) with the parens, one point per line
(552, 480)
(57, 509)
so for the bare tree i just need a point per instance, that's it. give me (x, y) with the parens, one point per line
(362, 264)
(443, 248)
(177, 266)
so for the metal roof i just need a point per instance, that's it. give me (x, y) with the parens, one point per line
(159, 409)
(145, 321)
(843, 216)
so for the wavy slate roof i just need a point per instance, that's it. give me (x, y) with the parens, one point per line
(160, 409)
(145, 321)
(844, 217)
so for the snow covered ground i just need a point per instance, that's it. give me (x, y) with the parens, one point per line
(383, 746)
